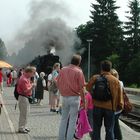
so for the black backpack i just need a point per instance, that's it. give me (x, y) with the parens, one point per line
(101, 91)
(16, 94)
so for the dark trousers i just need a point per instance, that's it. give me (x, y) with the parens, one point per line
(90, 119)
(109, 119)
(117, 130)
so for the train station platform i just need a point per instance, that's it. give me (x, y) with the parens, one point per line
(44, 125)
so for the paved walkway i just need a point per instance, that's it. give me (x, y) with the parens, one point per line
(44, 124)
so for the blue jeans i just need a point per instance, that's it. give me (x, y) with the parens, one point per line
(109, 119)
(70, 107)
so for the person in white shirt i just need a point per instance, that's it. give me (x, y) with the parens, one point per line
(53, 90)
(34, 81)
(14, 77)
(117, 129)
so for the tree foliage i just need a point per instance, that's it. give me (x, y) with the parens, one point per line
(106, 31)
(133, 70)
(3, 50)
(132, 28)
(111, 40)
(130, 64)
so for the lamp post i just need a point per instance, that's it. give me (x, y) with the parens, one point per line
(89, 41)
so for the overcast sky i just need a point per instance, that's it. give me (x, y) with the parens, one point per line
(14, 13)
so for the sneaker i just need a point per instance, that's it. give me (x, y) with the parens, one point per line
(27, 129)
(23, 131)
(53, 110)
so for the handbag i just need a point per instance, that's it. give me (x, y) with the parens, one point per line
(53, 87)
(127, 104)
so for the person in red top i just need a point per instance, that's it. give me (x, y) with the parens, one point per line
(89, 108)
(70, 82)
(24, 88)
(9, 78)
(1, 79)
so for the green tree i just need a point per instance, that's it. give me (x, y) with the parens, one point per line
(106, 31)
(129, 56)
(132, 72)
(3, 50)
(84, 33)
(114, 58)
(132, 28)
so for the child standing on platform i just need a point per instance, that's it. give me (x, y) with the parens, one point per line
(89, 108)
(83, 119)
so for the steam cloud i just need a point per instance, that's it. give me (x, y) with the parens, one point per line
(45, 28)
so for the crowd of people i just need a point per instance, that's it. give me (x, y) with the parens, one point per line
(71, 84)
(101, 98)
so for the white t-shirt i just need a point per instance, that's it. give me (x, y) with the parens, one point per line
(50, 77)
(14, 74)
(122, 86)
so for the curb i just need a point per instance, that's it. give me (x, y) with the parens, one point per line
(9, 120)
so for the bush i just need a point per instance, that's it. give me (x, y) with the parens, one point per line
(134, 86)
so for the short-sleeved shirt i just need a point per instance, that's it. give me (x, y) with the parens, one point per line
(54, 74)
(23, 85)
(50, 77)
(70, 81)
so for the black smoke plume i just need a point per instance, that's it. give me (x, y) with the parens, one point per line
(45, 28)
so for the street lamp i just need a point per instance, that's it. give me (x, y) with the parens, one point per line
(89, 41)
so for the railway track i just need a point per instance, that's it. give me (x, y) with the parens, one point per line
(132, 120)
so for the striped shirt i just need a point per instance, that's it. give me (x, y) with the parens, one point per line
(70, 80)
(23, 85)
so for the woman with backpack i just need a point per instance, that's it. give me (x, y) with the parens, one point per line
(53, 90)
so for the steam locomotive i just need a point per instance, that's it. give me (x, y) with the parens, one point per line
(45, 63)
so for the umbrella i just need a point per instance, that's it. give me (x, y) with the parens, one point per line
(4, 64)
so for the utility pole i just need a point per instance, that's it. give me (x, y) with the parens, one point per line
(89, 41)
